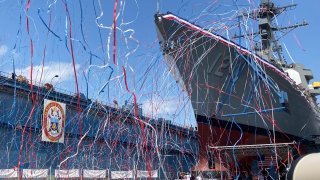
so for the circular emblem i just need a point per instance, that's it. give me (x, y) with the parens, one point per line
(53, 123)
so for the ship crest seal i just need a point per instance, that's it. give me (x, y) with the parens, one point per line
(53, 123)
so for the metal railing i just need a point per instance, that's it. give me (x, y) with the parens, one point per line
(73, 94)
(39, 84)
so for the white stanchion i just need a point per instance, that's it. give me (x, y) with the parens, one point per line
(9, 173)
(121, 174)
(94, 173)
(69, 173)
(35, 173)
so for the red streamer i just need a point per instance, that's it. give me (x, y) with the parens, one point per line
(114, 31)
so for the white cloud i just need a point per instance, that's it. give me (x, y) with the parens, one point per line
(63, 70)
(172, 108)
(160, 108)
(3, 50)
(15, 54)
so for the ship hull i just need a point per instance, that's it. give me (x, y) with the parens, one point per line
(233, 89)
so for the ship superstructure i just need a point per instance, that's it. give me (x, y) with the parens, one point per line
(239, 96)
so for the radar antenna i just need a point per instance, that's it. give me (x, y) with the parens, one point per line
(266, 14)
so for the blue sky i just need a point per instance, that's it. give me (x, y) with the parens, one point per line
(137, 45)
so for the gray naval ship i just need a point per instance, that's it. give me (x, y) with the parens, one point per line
(241, 96)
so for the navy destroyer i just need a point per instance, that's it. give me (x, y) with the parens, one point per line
(241, 96)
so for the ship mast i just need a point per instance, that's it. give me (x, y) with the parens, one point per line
(267, 13)
(270, 48)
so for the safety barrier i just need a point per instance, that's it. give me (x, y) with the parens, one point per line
(122, 175)
(145, 174)
(94, 174)
(9, 173)
(35, 173)
(76, 174)
(69, 173)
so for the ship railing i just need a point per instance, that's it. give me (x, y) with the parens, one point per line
(253, 146)
(251, 150)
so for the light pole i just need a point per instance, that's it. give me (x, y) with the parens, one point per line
(54, 77)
